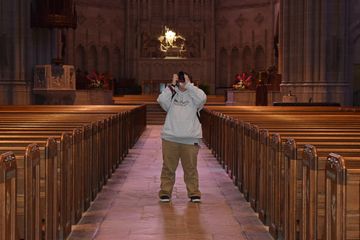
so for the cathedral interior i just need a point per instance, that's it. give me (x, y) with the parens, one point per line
(266, 120)
(311, 48)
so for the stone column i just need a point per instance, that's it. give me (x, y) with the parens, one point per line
(14, 87)
(71, 46)
(129, 35)
(293, 55)
(210, 45)
(285, 40)
(300, 40)
(6, 36)
(314, 46)
(281, 46)
(308, 42)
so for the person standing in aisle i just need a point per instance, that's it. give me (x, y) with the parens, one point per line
(181, 135)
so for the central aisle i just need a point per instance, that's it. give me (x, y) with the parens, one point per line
(128, 207)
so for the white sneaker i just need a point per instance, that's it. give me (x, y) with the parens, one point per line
(164, 199)
(195, 199)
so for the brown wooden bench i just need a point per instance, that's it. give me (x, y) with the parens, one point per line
(51, 196)
(278, 166)
(342, 197)
(277, 173)
(8, 183)
(76, 162)
(293, 181)
(314, 175)
(48, 179)
(38, 125)
(222, 152)
(27, 191)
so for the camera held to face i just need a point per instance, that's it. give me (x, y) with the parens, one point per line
(181, 77)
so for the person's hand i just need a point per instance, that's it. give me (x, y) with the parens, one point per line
(175, 78)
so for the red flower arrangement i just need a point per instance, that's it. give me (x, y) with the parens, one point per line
(98, 80)
(244, 81)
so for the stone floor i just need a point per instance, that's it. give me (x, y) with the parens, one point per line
(128, 207)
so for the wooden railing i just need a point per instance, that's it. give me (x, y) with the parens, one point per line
(283, 160)
(55, 159)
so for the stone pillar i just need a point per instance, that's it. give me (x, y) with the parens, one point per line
(14, 72)
(285, 40)
(308, 42)
(314, 43)
(129, 37)
(208, 18)
(281, 40)
(71, 46)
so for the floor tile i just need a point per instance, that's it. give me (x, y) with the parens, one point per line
(128, 207)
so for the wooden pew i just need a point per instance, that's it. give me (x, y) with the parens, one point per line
(275, 174)
(125, 137)
(28, 191)
(347, 129)
(8, 196)
(281, 163)
(249, 137)
(287, 219)
(342, 197)
(52, 197)
(74, 191)
(48, 181)
(314, 163)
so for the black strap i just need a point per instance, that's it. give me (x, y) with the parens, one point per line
(173, 95)
(198, 116)
(173, 92)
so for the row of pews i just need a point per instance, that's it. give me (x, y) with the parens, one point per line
(55, 159)
(299, 167)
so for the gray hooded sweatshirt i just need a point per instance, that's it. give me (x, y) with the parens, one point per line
(182, 124)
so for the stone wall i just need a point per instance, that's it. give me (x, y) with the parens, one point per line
(146, 20)
(317, 51)
(245, 33)
(354, 52)
(98, 42)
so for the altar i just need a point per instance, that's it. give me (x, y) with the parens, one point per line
(248, 97)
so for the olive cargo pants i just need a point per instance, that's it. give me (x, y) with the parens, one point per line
(172, 152)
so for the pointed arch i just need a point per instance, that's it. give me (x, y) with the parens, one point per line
(247, 59)
(260, 61)
(235, 62)
(117, 63)
(80, 60)
(105, 60)
(93, 59)
(223, 68)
